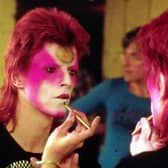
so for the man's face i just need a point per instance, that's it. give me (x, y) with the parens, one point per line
(156, 88)
(51, 77)
(134, 69)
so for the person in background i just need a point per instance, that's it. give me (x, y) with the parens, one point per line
(125, 100)
(41, 64)
(149, 145)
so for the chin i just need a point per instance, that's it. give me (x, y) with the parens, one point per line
(127, 79)
(59, 114)
(56, 114)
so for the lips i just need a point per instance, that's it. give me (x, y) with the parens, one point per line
(64, 96)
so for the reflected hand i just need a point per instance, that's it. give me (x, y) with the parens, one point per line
(147, 139)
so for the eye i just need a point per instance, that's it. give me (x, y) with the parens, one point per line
(50, 69)
(73, 72)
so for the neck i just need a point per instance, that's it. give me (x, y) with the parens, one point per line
(139, 88)
(32, 128)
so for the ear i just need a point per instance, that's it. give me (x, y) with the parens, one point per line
(17, 80)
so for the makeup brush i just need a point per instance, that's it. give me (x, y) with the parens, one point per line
(69, 108)
(139, 128)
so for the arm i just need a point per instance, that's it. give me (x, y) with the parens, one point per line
(95, 98)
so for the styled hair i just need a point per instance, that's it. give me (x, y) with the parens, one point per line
(129, 37)
(31, 31)
(153, 39)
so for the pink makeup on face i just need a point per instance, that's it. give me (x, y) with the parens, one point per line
(155, 98)
(49, 81)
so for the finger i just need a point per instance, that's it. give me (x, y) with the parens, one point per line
(82, 116)
(95, 123)
(79, 127)
(81, 124)
(146, 130)
(71, 161)
(80, 145)
(87, 132)
(137, 128)
(67, 124)
(138, 125)
(76, 159)
(137, 131)
(91, 130)
(33, 162)
(135, 137)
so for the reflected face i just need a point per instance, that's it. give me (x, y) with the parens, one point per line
(154, 93)
(156, 89)
(51, 77)
(134, 69)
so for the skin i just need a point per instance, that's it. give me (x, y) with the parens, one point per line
(148, 139)
(42, 92)
(70, 162)
(49, 82)
(134, 70)
(133, 63)
(156, 94)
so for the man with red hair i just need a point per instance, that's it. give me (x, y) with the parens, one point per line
(149, 146)
(41, 64)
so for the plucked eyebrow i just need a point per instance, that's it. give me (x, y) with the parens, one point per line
(73, 67)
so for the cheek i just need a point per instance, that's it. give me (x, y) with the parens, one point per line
(34, 81)
(32, 88)
(39, 93)
(140, 69)
(150, 86)
(154, 94)
(139, 66)
(54, 78)
(155, 98)
(36, 76)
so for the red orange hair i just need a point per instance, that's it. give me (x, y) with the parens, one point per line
(153, 39)
(29, 34)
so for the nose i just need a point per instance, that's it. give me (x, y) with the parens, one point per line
(126, 60)
(67, 80)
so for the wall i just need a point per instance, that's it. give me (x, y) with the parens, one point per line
(7, 9)
(121, 16)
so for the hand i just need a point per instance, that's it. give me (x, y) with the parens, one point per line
(70, 162)
(62, 143)
(33, 162)
(147, 139)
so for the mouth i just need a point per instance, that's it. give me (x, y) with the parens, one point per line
(64, 96)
